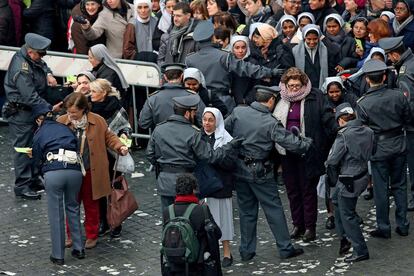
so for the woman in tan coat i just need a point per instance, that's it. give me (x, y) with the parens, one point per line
(93, 139)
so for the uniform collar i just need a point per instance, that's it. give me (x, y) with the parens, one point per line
(260, 107)
(178, 118)
(171, 86)
(373, 89)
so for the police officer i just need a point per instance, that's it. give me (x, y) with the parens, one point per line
(254, 170)
(176, 145)
(403, 61)
(216, 65)
(25, 85)
(347, 169)
(159, 105)
(55, 151)
(386, 111)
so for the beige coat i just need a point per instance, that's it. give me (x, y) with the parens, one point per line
(99, 138)
(113, 25)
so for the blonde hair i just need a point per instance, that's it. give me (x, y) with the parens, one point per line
(104, 86)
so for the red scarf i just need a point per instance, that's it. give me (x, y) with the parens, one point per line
(186, 198)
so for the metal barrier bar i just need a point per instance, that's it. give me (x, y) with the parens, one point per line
(137, 73)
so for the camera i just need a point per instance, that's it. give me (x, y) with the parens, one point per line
(80, 19)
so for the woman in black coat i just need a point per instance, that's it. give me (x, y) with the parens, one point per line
(304, 109)
(336, 94)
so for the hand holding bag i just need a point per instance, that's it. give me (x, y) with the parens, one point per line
(121, 202)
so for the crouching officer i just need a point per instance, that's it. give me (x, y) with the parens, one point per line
(176, 145)
(403, 60)
(54, 151)
(25, 83)
(254, 170)
(386, 111)
(347, 169)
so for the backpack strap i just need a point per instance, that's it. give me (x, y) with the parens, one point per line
(189, 210)
(205, 212)
(171, 212)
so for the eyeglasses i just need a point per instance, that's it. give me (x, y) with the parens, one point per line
(296, 3)
(294, 86)
(400, 9)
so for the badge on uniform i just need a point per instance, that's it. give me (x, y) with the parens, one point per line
(25, 66)
(402, 69)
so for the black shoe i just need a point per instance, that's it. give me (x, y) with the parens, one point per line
(400, 232)
(379, 234)
(227, 261)
(78, 254)
(57, 261)
(29, 195)
(116, 233)
(344, 246)
(248, 256)
(103, 229)
(310, 235)
(296, 252)
(370, 194)
(37, 187)
(356, 258)
(330, 223)
(296, 232)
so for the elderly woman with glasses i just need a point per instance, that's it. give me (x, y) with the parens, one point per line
(304, 110)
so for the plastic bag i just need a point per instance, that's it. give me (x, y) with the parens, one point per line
(125, 164)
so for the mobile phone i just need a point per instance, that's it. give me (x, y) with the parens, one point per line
(80, 19)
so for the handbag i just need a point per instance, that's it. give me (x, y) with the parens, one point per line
(121, 202)
(208, 179)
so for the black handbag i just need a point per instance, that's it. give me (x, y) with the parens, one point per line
(56, 94)
(209, 180)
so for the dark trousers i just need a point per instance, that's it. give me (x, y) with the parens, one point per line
(347, 223)
(301, 191)
(410, 161)
(249, 194)
(393, 172)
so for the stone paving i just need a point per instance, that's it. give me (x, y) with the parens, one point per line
(25, 242)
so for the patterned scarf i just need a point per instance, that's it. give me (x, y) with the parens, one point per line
(298, 96)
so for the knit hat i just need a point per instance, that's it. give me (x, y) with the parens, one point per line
(267, 32)
(360, 4)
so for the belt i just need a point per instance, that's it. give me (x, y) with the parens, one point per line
(175, 169)
(389, 134)
(360, 175)
(66, 156)
(249, 160)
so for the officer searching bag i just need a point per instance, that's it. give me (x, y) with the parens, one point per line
(208, 179)
(121, 202)
(180, 244)
(56, 94)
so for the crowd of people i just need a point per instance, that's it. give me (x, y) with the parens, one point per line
(313, 95)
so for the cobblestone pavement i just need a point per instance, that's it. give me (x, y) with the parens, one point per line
(25, 242)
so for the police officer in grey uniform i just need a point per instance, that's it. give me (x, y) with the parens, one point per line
(159, 105)
(254, 170)
(403, 61)
(25, 84)
(347, 169)
(216, 65)
(386, 111)
(176, 145)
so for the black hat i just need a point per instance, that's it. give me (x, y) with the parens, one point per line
(273, 90)
(187, 102)
(391, 43)
(343, 109)
(373, 66)
(203, 31)
(39, 110)
(37, 42)
(173, 66)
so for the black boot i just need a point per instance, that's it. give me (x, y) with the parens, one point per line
(330, 223)
(344, 246)
(103, 228)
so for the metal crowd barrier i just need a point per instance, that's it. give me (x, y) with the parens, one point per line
(137, 73)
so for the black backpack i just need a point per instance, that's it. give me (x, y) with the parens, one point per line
(179, 240)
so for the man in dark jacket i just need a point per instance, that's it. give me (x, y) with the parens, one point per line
(320, 9)
(25, 84)
(258, 13)
(185, 187)
(403, 60)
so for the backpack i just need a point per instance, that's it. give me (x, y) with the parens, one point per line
(179, 240)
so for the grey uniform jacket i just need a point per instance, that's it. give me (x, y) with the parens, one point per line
(405, 80)
(260, 130)
(349, 155)
(385, 111)
(178, 143)
(159, 106)
(26, 81)
(216, 66)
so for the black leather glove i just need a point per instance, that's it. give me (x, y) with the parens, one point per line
(236, 142)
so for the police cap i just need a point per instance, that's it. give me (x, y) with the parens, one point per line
(187, 102)
(37, 42)
(39, 110)
(203, 31)
(374, 66)
(273, 90)
(391, 43)
(343, 109)
(173, 66)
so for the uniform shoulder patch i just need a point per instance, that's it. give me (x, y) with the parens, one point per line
(153, 93)
(25, 66)
(342, 130)
(195, 127)
(402, 69)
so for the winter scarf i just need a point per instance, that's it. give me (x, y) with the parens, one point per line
(298, 96)
(186, 198)
(397, 27)
(176, 36)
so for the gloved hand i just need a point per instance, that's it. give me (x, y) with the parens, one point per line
(277, 72)
(236, 142)
(308, 141)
